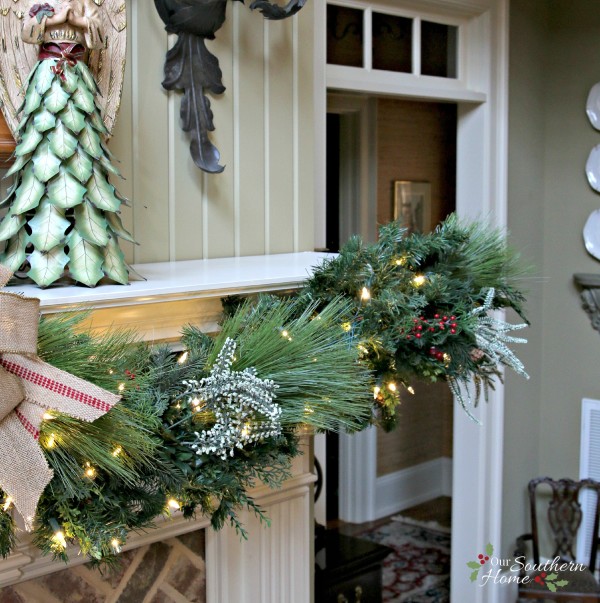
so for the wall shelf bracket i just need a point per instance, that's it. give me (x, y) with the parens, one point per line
(589, 285)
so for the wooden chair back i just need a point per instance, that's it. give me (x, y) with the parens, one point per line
(564, 516)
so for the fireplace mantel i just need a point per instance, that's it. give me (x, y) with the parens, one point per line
(174, 294)
(275, 565)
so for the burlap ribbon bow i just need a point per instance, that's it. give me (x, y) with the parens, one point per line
(28, 388)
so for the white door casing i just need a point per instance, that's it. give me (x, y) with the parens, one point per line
(482, 96)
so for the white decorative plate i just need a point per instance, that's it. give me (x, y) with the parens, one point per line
(591, 234)
(592, 107)
(592, 168)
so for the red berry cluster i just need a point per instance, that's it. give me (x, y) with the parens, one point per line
(438, 323)
(437, 354)
(540, 578)
(483, 558)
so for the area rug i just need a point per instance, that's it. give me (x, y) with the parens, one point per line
(418, 571)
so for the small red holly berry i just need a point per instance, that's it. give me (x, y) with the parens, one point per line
(436, 315)
(453, 318)
(419, 328)
(486, 558)
(444, 318)
(482, 562)
(431, 329)
(418, 335)
(537, 579)
(480, 556)
(544, 574)
(453, 331)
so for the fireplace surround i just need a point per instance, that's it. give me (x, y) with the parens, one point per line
(275, 564)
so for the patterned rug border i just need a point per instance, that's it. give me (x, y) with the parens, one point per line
(430, 585)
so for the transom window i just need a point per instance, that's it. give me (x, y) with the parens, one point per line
(375, 40)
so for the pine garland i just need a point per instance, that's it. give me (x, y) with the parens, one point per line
(196, 431)
(420, 305)
(142, 458)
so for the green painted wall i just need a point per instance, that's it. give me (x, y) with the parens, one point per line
(554, 61)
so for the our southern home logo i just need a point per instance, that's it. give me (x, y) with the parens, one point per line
(519, 570)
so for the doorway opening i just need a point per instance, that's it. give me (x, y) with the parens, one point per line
(373, 143)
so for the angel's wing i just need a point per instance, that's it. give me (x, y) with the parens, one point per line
(108, 64)
(17, 59)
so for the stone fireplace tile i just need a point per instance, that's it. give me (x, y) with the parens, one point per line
(146, 574)
(8, 595)
(162, 597)
(68, 587)
(187, 580)
(194, 541)
(115, 575)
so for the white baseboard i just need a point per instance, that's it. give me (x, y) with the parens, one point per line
(408, 487)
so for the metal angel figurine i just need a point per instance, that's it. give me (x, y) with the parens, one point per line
(60, 92)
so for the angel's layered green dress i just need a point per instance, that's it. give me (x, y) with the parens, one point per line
(63, 211)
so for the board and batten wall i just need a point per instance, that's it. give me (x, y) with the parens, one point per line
(263, 202)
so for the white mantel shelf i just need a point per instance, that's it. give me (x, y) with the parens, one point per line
(176, 294)
(193, 279)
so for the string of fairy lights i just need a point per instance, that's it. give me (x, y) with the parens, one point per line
(391, 387)
(185, 400)
(90, 472)
(342, 354)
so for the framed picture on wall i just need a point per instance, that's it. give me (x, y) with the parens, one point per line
(412, 205)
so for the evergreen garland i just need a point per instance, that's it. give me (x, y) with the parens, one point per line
(366, 323)
(420, 305)
(138, 461)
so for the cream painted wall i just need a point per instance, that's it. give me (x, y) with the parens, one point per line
(263, 202)
(555, 50)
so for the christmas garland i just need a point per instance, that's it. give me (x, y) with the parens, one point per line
(193, 431)
(422, 308)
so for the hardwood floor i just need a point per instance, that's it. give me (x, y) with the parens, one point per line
(438, 509)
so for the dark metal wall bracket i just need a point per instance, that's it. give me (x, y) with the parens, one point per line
(589, 285)
(193, 70)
